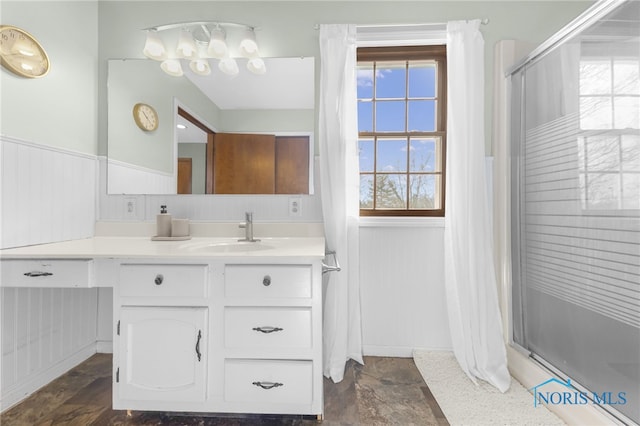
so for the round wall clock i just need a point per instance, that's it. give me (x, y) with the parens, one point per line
(145, 117)
(21, 53)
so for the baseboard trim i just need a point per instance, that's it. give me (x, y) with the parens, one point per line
(104, 347)
(395, 351)
(20, 391)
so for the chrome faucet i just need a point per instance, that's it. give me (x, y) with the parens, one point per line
(248, 228)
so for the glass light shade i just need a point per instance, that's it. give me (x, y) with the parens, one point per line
(154, 48)
(186, 46)
(256, 66)
(228, 66)
(248, 45)
(217, 44)
(172, 67)
(200, 66)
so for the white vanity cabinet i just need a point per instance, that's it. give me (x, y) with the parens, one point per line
(272, 338)
(209, 325)
(229, 335)
(161, 354)
(47, 273)
(161, 336)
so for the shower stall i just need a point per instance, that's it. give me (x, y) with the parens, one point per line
(575, 206)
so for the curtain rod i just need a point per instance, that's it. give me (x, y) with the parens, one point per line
(483, 21)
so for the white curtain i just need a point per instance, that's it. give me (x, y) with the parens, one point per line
(470, 279)
(339, 187)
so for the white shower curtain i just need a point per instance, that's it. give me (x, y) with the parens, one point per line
(470, 279)
(339, 187)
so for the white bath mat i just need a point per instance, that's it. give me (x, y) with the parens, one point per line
(464, 403)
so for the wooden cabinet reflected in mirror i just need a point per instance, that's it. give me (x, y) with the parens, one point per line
(245, 163)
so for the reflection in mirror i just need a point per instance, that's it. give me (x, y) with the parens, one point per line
(279, 103)
(192, 155)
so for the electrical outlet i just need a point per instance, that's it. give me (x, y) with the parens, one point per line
(130, 208)
(295, 206)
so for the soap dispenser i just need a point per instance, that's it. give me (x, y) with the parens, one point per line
(163, 223)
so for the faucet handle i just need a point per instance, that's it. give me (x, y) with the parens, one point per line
(248, 216)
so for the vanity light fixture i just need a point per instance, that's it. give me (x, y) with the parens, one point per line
(248, 45)
(228, 66)
(203, 42)
(200, 66)
(172, 67)
(256, 66)
(186, 45)
(154, 48)
(217, 43)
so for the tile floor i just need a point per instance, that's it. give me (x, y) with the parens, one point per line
(385, 391)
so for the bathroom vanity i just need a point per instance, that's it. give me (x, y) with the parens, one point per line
(205, 325)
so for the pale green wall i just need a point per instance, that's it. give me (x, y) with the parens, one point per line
(59, 109)
(287, 28)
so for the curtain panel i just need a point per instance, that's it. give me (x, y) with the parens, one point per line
(340, 186)
(470, 279)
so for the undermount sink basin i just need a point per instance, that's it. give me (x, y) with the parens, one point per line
(228, 247)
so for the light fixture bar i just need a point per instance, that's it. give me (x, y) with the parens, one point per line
(200, 41)
(197, 23)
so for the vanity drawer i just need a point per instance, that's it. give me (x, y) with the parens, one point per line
(253, 328)
(268, 281)
(46, 273)
(160, 280)
(268, 381)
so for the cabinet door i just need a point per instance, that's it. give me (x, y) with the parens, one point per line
(163, 354)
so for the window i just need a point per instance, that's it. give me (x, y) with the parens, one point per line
(609, 145)
(402, 130)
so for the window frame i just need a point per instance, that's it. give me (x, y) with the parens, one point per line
(613, 131)
(436, 53)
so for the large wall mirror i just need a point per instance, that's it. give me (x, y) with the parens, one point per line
(229, 135)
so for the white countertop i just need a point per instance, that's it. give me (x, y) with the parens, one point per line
(195, 248)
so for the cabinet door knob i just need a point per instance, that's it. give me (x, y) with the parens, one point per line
(159, 279)
(266, 281)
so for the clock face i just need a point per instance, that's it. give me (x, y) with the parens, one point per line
(21, 53)
(145, 117)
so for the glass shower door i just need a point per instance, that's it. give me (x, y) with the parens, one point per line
(576, 209)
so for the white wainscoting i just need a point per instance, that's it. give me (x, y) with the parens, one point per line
(45, 332)
(205, 208)
(402, 288)
(126, 178)
(48, 195)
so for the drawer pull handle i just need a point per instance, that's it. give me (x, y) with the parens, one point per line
(38, 274)
(266, 281)
(268, 385)
(267, 330)
(159, 279)
(198, 345)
